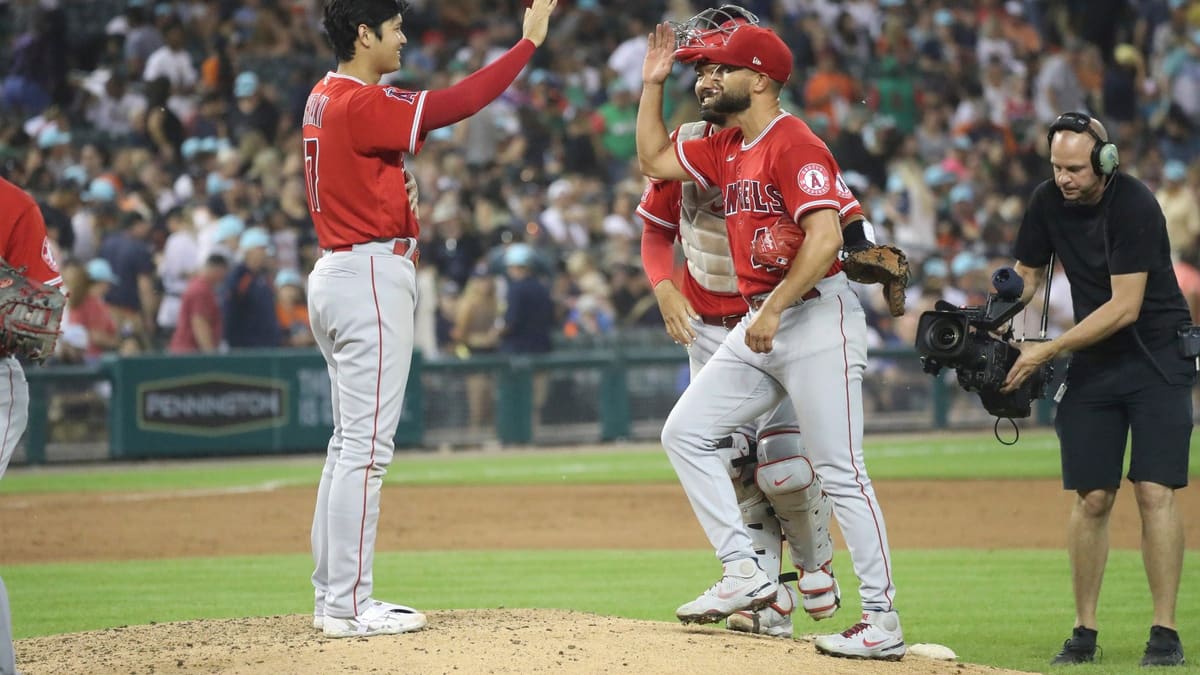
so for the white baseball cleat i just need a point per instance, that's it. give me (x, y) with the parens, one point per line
(743, 586)
(319, 621)
(380, 618)
(820, 592)
(774, 620)
(878, 636)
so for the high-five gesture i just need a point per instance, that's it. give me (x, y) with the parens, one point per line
(537, 20)
(660, 54)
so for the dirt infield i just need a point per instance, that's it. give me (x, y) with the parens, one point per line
(921, 514)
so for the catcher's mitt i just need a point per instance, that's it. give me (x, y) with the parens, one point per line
(30, 315)
(775, 247)
(880, 264)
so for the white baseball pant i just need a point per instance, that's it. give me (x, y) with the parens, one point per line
(818, 358)
(361, 306)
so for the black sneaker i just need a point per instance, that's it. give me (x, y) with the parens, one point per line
(1163, 649)
(1081, 648)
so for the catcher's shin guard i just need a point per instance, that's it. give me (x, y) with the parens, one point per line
(738, 452)
(788, 481)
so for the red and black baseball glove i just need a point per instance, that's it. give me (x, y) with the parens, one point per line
(775, 247)
(30, 315)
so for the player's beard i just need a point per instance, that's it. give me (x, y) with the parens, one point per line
(728, 104)
(712, 117)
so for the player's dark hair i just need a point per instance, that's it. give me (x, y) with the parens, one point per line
(343, 17)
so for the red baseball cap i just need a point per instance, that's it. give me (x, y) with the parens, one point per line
(749, 46)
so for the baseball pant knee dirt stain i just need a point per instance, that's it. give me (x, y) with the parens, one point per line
(361, 306)
(818, 359)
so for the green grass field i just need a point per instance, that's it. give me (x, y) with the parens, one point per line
(1009, 608)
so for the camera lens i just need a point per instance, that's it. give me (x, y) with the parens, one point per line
(944, 335)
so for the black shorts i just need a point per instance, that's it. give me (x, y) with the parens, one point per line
(1106, 400)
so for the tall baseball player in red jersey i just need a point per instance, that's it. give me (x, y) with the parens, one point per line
(23, 243)
(805, 336)
(362, 292)
(700, 315)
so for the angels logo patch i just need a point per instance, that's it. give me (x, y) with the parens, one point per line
(843, 190)
(814, 179)
(408, 97)
(48, 255)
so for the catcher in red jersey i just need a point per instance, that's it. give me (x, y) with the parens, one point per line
(363, 292)
(24, 249)
(805, 335)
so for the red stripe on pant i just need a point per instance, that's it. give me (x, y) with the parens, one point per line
(887, 568)
(362, 526)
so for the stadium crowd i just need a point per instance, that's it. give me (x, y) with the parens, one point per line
(162, 140)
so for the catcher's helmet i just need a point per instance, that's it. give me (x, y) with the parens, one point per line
(712, 27)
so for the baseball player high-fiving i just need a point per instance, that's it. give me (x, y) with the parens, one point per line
(700, 315)
(805, 335)
(362, 292)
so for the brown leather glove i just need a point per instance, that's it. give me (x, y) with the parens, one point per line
(880, 264)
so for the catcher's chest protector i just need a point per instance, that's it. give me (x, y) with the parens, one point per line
(702, 230)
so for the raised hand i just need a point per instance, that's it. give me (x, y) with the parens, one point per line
(660, 54)
(537, 20)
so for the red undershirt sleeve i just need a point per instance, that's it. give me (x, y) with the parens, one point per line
(658, 253)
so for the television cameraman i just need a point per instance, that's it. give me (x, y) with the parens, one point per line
(1128, 369)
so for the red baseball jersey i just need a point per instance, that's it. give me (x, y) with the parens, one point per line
(355, 137)
(23, 241)
(787, 169)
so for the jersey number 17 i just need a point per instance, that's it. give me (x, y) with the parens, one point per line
(312, 153)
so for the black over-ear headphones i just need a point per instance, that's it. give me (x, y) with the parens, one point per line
(1105, 158)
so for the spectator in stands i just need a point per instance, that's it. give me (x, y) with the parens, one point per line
(223, 237)
(172, 60)
(162, 126)
(179, 261)
(829, 91)
(253, 112)
(199, 328)
(476, 331)
(529, 317)
(115, 106)
(86, 306)
(614, 124)
(142, 37)
(1182, 211)
(248, 304)
(1058, 86)
(133, 297)
(291, 308)
(37, 71)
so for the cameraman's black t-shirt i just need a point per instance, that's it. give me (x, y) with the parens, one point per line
(1131, 219)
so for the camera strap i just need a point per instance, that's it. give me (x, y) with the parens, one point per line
(1046, 297)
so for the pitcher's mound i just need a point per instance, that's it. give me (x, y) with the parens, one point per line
(459, 641)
